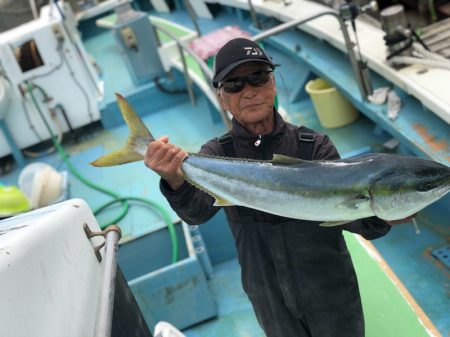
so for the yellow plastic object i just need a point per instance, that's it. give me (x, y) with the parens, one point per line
(12, 201)
(333, 109)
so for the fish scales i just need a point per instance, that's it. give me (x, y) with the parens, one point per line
(290, 191)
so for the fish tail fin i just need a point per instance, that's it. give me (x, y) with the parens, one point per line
(138, 131)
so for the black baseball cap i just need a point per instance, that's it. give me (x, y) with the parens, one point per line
(234, 53)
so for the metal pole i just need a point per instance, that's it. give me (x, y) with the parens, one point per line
(253, 15)
(205, 69)
(361, 77)
(186, 75)
(193, 16)
(203, 66)
(105, 307)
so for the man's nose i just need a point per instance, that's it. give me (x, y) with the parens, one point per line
(248, 89)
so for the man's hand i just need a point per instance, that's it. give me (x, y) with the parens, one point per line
(166, 159)
(402, 221)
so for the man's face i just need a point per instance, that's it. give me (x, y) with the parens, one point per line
(252, 104)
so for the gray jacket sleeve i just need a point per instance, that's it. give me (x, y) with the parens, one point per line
(369, 228)
(191, 204)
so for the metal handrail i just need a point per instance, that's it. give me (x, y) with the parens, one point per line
(105, 307)
(362, 78)
(206, 71)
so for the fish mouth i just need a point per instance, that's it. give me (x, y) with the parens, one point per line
(443, 190)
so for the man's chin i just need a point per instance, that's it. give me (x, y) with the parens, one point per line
(251, 119)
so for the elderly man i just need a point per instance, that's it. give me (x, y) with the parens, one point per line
(298, 276)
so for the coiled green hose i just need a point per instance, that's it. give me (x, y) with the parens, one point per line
(116, 198)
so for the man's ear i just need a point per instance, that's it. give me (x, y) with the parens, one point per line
(222, 100)
(274, 84)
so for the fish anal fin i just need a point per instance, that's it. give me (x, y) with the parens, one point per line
(334, 223)
(222, 202)
(219, 201)
(286, 160)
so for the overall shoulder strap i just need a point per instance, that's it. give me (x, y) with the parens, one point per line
(226, 141)
(306, 138)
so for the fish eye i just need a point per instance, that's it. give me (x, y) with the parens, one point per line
(426, 187)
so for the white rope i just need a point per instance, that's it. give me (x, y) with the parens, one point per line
(423, 57)
(420, 51)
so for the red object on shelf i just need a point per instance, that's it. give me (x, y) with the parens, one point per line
(209, 44)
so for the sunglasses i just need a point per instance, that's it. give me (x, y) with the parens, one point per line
(235, 85)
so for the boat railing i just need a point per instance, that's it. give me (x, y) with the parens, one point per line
(112, 235)
(193, 16)
(359, 67)
(253, 12)
(206, 71)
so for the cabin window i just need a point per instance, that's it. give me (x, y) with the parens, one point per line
(28, 56)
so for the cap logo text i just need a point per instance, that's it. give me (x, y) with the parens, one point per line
(253, 51)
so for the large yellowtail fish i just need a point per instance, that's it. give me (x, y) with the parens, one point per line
(390, 187)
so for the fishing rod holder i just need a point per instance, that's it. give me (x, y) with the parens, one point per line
(104, 316)
(90, 234)
(349, 10)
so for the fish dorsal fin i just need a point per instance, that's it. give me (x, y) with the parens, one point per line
(286, 160)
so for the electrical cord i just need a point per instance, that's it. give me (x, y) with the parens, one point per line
(56, 124)
(116, 198)
(72, 132)
(168, 91)
(86, 97)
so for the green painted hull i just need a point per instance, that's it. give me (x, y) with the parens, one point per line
(388, 309)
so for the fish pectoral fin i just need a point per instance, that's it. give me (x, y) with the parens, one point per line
(355, 202)
(334, 223)
(286, 160)
(222, 202)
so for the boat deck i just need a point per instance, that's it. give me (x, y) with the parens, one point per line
(407, 252)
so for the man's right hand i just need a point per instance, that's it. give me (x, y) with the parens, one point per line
(166, 159)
